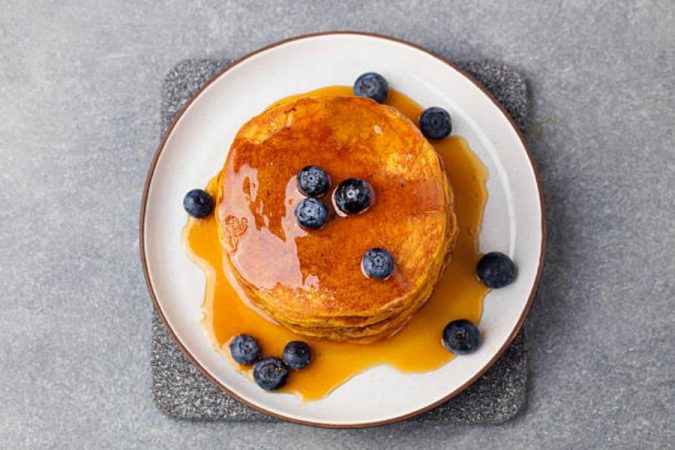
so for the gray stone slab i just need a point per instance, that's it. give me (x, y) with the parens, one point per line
(181, 391)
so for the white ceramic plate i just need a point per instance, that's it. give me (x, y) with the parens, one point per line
(195, 148)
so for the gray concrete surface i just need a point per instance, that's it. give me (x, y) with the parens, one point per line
(79, 102)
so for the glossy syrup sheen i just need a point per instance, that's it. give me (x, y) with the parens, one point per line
(417, 347)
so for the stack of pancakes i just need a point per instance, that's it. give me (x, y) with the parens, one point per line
(310, 281)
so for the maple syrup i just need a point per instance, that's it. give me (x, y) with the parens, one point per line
(417, 347)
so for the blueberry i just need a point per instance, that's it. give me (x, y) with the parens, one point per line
(270, 373)
(496, 270)
(297, 355)
(352, 196)
(313, 181)
(198, 203)
(371, 85)
(435, 123)
(311, 213)
(378, 263)
(244, 349)
(461, 337)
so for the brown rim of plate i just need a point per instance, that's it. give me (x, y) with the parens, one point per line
(206, 373)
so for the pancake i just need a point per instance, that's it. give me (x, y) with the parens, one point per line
(310, 281)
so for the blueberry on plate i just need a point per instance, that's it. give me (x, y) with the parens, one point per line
(378, 263)
(297, 355)
(372, 85)
(313, 181)
(311, 213)
(244, 349)
(198, 203)
(461, 337)
(496, 270)
(353, 196)
(270, 373)
(435, 123)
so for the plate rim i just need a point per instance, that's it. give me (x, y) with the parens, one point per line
(203, 370)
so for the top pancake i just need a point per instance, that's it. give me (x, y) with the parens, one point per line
(311, 280)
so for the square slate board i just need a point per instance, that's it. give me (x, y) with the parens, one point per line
(181, 391)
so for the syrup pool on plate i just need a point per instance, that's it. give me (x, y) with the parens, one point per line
(417, 347)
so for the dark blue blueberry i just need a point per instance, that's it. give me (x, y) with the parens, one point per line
(435, 123)
(313, 181)
(270, 373)
(198, 203)
(352, 196)
(297, 355)
(371, 85)
(496, 270)
(378, 263)
(244, 349)
(461, 337)
(311, 213)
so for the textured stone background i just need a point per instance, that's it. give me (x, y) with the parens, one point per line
(181, 391)
(79, 101)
